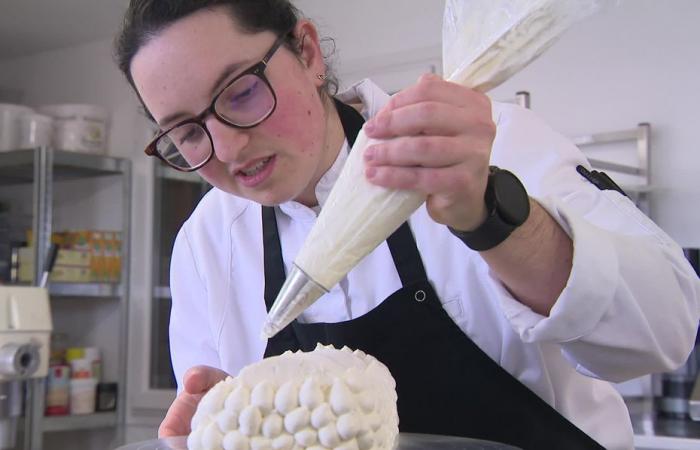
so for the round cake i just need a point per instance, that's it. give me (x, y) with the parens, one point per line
(323, 399)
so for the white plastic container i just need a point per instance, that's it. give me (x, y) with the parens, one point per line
(81, 368)
(82, 395)
(9, 125)
(93, 355)
(79, 128)
(35, 130)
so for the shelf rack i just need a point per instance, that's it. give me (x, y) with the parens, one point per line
(42, 167)
(642, 136)
(80, 422)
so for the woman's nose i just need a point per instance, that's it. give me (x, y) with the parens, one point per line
(228, 141)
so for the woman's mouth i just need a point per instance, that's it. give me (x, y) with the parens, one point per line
(257, 173)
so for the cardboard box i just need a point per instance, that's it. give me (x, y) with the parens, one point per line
(64, 257)
(63, 274)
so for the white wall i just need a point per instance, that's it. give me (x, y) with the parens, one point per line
(638, 62)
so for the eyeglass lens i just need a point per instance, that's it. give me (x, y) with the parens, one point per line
(245, 103)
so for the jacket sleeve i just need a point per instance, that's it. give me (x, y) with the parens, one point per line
(191, 339)
(631, 304)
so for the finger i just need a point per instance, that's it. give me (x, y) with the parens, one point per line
(432, 87)
(426, 180)
(429, 118)
(425, 151)
(200, 379)
(179, 416)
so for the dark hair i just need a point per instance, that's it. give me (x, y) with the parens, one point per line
(144, 19)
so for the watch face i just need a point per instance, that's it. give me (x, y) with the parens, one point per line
(513, 203)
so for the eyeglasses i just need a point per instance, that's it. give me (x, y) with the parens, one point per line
(245, 102)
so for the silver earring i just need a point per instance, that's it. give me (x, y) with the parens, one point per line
(321, 76)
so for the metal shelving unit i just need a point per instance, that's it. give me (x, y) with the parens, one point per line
(640, 136)
(91, 290)
(81, 422)
(41, 168)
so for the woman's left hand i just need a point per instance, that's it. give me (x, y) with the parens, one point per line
(438, 142)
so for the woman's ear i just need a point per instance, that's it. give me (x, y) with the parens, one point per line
(310, 51)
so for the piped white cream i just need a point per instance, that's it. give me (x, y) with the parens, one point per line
(323, 399)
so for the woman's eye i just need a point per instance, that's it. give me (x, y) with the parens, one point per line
(192, 135)
(244, 95)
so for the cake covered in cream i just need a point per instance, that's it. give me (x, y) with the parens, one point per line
(324, 399)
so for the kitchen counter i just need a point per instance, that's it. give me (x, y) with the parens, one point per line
(654, 432)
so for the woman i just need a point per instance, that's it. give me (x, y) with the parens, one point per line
(502, 310)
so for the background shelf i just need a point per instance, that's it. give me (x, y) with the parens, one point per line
(80, 422)
(17, 166)
(97, 290)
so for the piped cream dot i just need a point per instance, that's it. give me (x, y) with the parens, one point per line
(227, 421)
(286, 398)
(329, 437)
(322, 416)
(306, 437)
(235, 440)
(310, 394)
(284, 442)
(348, 426)
(373, 421)
(297, 420)
(342, 399)
(365, 440)
(212, 437)
(237, 400)
(272, 426)
(367, 401)
(194, 440)
(250, 421)
(260, 443)
(354, 378)
(263, 396)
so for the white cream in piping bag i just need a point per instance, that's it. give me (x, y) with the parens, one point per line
(485, 42)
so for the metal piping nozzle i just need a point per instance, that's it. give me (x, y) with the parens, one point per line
(298, 293)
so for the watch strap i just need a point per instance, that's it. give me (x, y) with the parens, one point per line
(494, 229)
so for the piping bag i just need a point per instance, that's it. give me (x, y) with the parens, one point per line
(484, 42)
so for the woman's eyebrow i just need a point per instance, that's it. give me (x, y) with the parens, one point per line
(225, 74)
(216, 86)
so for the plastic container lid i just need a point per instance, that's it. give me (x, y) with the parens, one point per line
(13, 108)
(75, 353)
(9, 125)
(68, 111)
(32, 116)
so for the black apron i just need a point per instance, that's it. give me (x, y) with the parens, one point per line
(445, 383)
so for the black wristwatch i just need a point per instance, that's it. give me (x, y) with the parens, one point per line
(507, 206)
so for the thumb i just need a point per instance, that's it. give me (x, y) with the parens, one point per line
(199, 379)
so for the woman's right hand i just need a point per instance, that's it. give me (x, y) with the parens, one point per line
(197, 382)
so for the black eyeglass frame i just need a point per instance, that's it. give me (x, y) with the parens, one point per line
(259, 71)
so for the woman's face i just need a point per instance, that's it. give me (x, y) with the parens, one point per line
(179, 71)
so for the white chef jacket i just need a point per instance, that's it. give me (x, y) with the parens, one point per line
(630, 306)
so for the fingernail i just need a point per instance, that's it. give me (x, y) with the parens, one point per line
(370, 172)
(369, 154)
